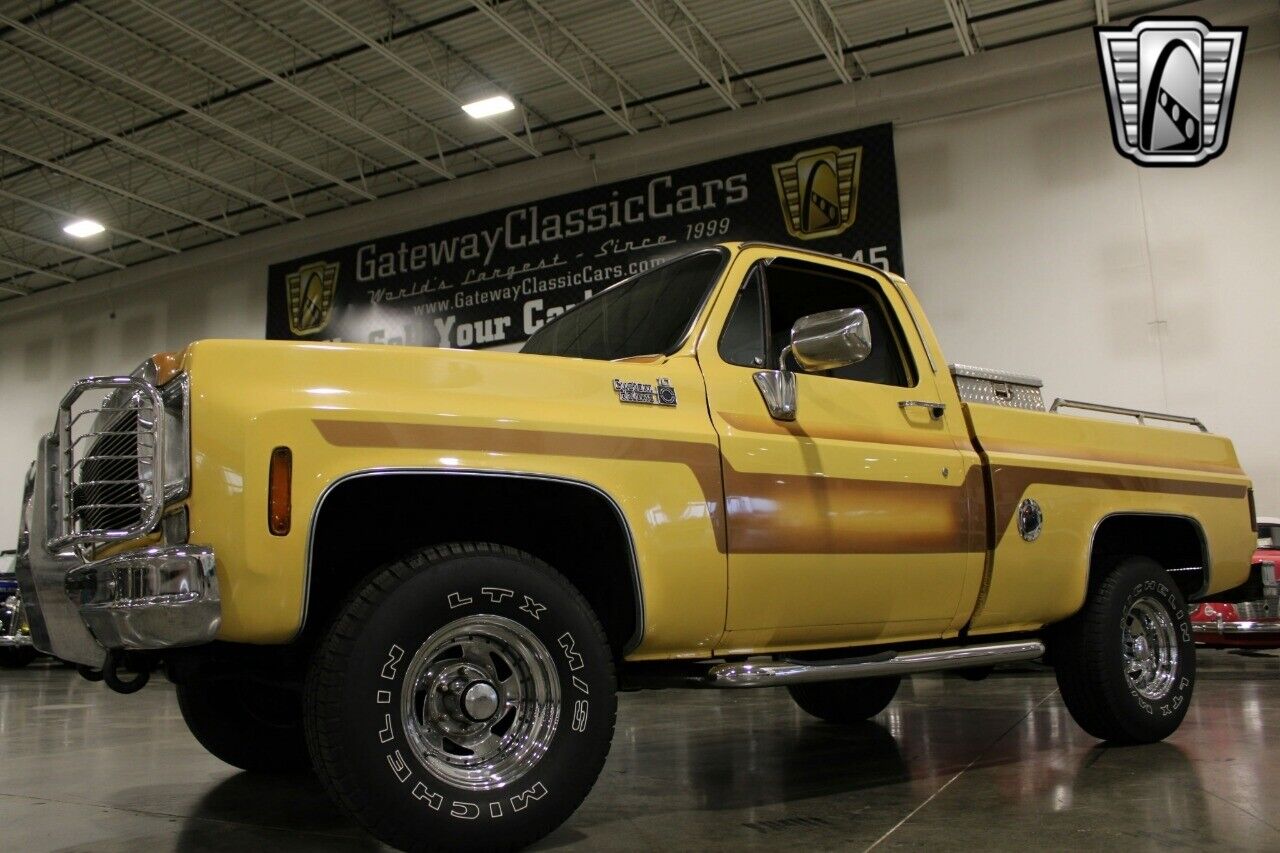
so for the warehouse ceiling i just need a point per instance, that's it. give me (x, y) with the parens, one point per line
(177, 123)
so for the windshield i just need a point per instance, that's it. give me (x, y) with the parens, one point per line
(647, 314)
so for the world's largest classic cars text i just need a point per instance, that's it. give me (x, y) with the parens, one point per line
(498, 277)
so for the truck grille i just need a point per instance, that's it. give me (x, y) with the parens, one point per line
(108, 466)
(108, 492)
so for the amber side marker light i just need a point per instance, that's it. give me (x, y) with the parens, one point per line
(280, 492)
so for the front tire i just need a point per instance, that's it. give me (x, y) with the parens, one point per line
(463, 699)
(248, 724)
(1126, 663)
(845, 702)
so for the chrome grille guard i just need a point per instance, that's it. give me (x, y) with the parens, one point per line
(109, 463)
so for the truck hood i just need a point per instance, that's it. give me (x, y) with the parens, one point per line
(248, 380)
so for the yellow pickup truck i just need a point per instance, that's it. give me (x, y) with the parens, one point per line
(427, 573)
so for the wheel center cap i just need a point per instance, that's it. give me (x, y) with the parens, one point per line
(480, 701)
(1140, 648)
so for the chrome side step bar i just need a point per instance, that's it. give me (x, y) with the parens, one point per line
(778, 673)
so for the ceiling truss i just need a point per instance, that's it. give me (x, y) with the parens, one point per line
(179, 123)
(959, 16)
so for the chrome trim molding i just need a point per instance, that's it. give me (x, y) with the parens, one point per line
(1195, 522)
(153, 598)
(1209, 629)
(637, 584)
(176, 489)
(778, 390)
(778, 673)
(1141, 414)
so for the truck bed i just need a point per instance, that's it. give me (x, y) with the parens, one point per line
(1081, 470)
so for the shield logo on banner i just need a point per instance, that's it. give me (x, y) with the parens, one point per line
(311, 290)
(818, 190)
(1171, 84)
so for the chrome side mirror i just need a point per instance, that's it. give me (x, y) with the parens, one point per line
(830, 339)
(823, 341)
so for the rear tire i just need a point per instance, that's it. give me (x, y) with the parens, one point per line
(1126, 663)
(849, 701)
(246, 724)
(464, 699)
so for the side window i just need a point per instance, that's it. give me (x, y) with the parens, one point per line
(794, 289)
(742, 342)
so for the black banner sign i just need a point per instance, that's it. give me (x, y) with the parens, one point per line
(498, 277)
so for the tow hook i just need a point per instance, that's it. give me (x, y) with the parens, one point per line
(110, 672)
(88, 673)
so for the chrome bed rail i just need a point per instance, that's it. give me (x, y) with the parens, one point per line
(1142, 415)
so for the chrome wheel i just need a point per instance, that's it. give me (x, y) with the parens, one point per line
(1150, 648)
(481, 702)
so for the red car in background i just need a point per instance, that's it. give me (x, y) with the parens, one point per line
(1253, 623)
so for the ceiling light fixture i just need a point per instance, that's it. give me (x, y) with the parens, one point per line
(488, 106)
(83, 228)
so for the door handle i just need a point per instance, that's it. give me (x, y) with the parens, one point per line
(936, 410)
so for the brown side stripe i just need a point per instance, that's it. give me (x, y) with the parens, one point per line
(790, 514)
(787, 514)
(702, 459)
(1011, 483)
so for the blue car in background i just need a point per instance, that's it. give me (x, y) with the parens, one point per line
(15, 637)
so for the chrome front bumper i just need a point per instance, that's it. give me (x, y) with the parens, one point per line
(152, 598)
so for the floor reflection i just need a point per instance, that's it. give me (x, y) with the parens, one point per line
(952, 764)
(294, 804)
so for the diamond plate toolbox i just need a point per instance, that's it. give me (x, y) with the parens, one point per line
(998, 388)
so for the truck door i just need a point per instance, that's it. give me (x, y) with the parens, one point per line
(854, 521)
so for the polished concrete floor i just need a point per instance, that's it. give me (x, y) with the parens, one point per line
(951, 765)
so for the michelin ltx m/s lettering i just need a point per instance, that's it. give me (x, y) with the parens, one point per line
(486, 684)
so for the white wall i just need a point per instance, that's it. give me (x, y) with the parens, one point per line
(1036, 248)
(1033, 244)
